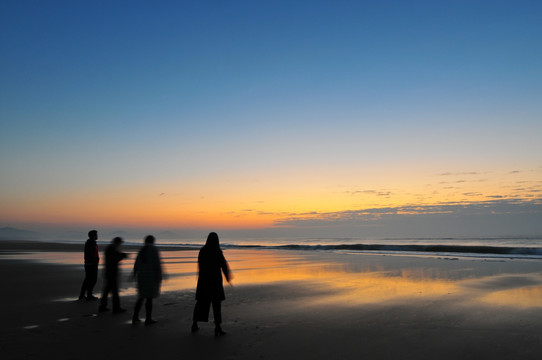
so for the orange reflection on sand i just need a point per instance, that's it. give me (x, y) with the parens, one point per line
(525, 297)
(369, 288)
(341, 285)
(347, 279)
(248, 267)
(49, 257)
(357, 282)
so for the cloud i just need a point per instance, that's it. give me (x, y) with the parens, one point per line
(368, 192)
(459, 173)
(472, 194)
(387, 215)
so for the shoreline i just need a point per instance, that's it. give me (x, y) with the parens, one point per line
(35, 245)
(449, 251)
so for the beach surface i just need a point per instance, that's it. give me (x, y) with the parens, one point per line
(282, 305)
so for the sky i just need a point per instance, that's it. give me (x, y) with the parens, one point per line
(272, 118)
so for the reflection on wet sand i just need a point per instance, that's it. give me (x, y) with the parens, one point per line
(354, 279)
(527, 297)
(364, 279)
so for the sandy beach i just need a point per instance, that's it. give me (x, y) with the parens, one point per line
(283, 305)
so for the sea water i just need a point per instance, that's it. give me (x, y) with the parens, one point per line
(505, 246)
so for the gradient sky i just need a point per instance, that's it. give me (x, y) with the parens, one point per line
(338, 118)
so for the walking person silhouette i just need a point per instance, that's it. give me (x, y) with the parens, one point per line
(211, 264)
(148, 272)
(113, 257)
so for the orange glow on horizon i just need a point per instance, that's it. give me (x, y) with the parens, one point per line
(244, 204)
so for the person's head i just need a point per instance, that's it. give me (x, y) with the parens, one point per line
(212, 241)
(93, 235)
(117, 241)
(149, 239)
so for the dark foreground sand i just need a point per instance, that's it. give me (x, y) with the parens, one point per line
(407, 308)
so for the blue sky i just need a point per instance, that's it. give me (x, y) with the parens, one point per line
(198, 111)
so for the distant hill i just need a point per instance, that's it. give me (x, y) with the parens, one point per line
(9, 233)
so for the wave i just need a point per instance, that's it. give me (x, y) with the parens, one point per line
(410, 248)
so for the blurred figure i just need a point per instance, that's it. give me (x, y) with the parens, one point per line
(113, 257)
(148, 273)
(92, 258)
(211, 264)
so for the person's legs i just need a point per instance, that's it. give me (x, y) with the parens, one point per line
(92, 279)
(195, 314)
(217, 311)
(195, 318)
(84, 286)
(115, 296)
(148, 310)
(105, 293)
(135, 317)
(217, 314)
(91, 276)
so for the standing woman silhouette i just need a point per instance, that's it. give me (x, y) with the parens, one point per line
(211, 264)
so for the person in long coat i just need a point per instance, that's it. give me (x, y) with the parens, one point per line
(211, 264)
(148, 272)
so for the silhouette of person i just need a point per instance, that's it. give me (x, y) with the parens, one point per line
(92, 258)
(148, 272)
(211, 264)
(113, 257)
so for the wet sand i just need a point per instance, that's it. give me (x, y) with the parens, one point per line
(285, 305)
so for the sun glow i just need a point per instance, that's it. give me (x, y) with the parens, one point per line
(248, 204)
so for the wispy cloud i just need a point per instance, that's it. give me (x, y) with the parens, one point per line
(374, 215)
(459, 173)
(368, 192)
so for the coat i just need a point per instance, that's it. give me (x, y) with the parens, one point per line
(92, 256)
(112, 259)
(211, 263)
(148, 272)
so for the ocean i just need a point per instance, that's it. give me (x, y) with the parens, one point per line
(529, 247)
(505, 246)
